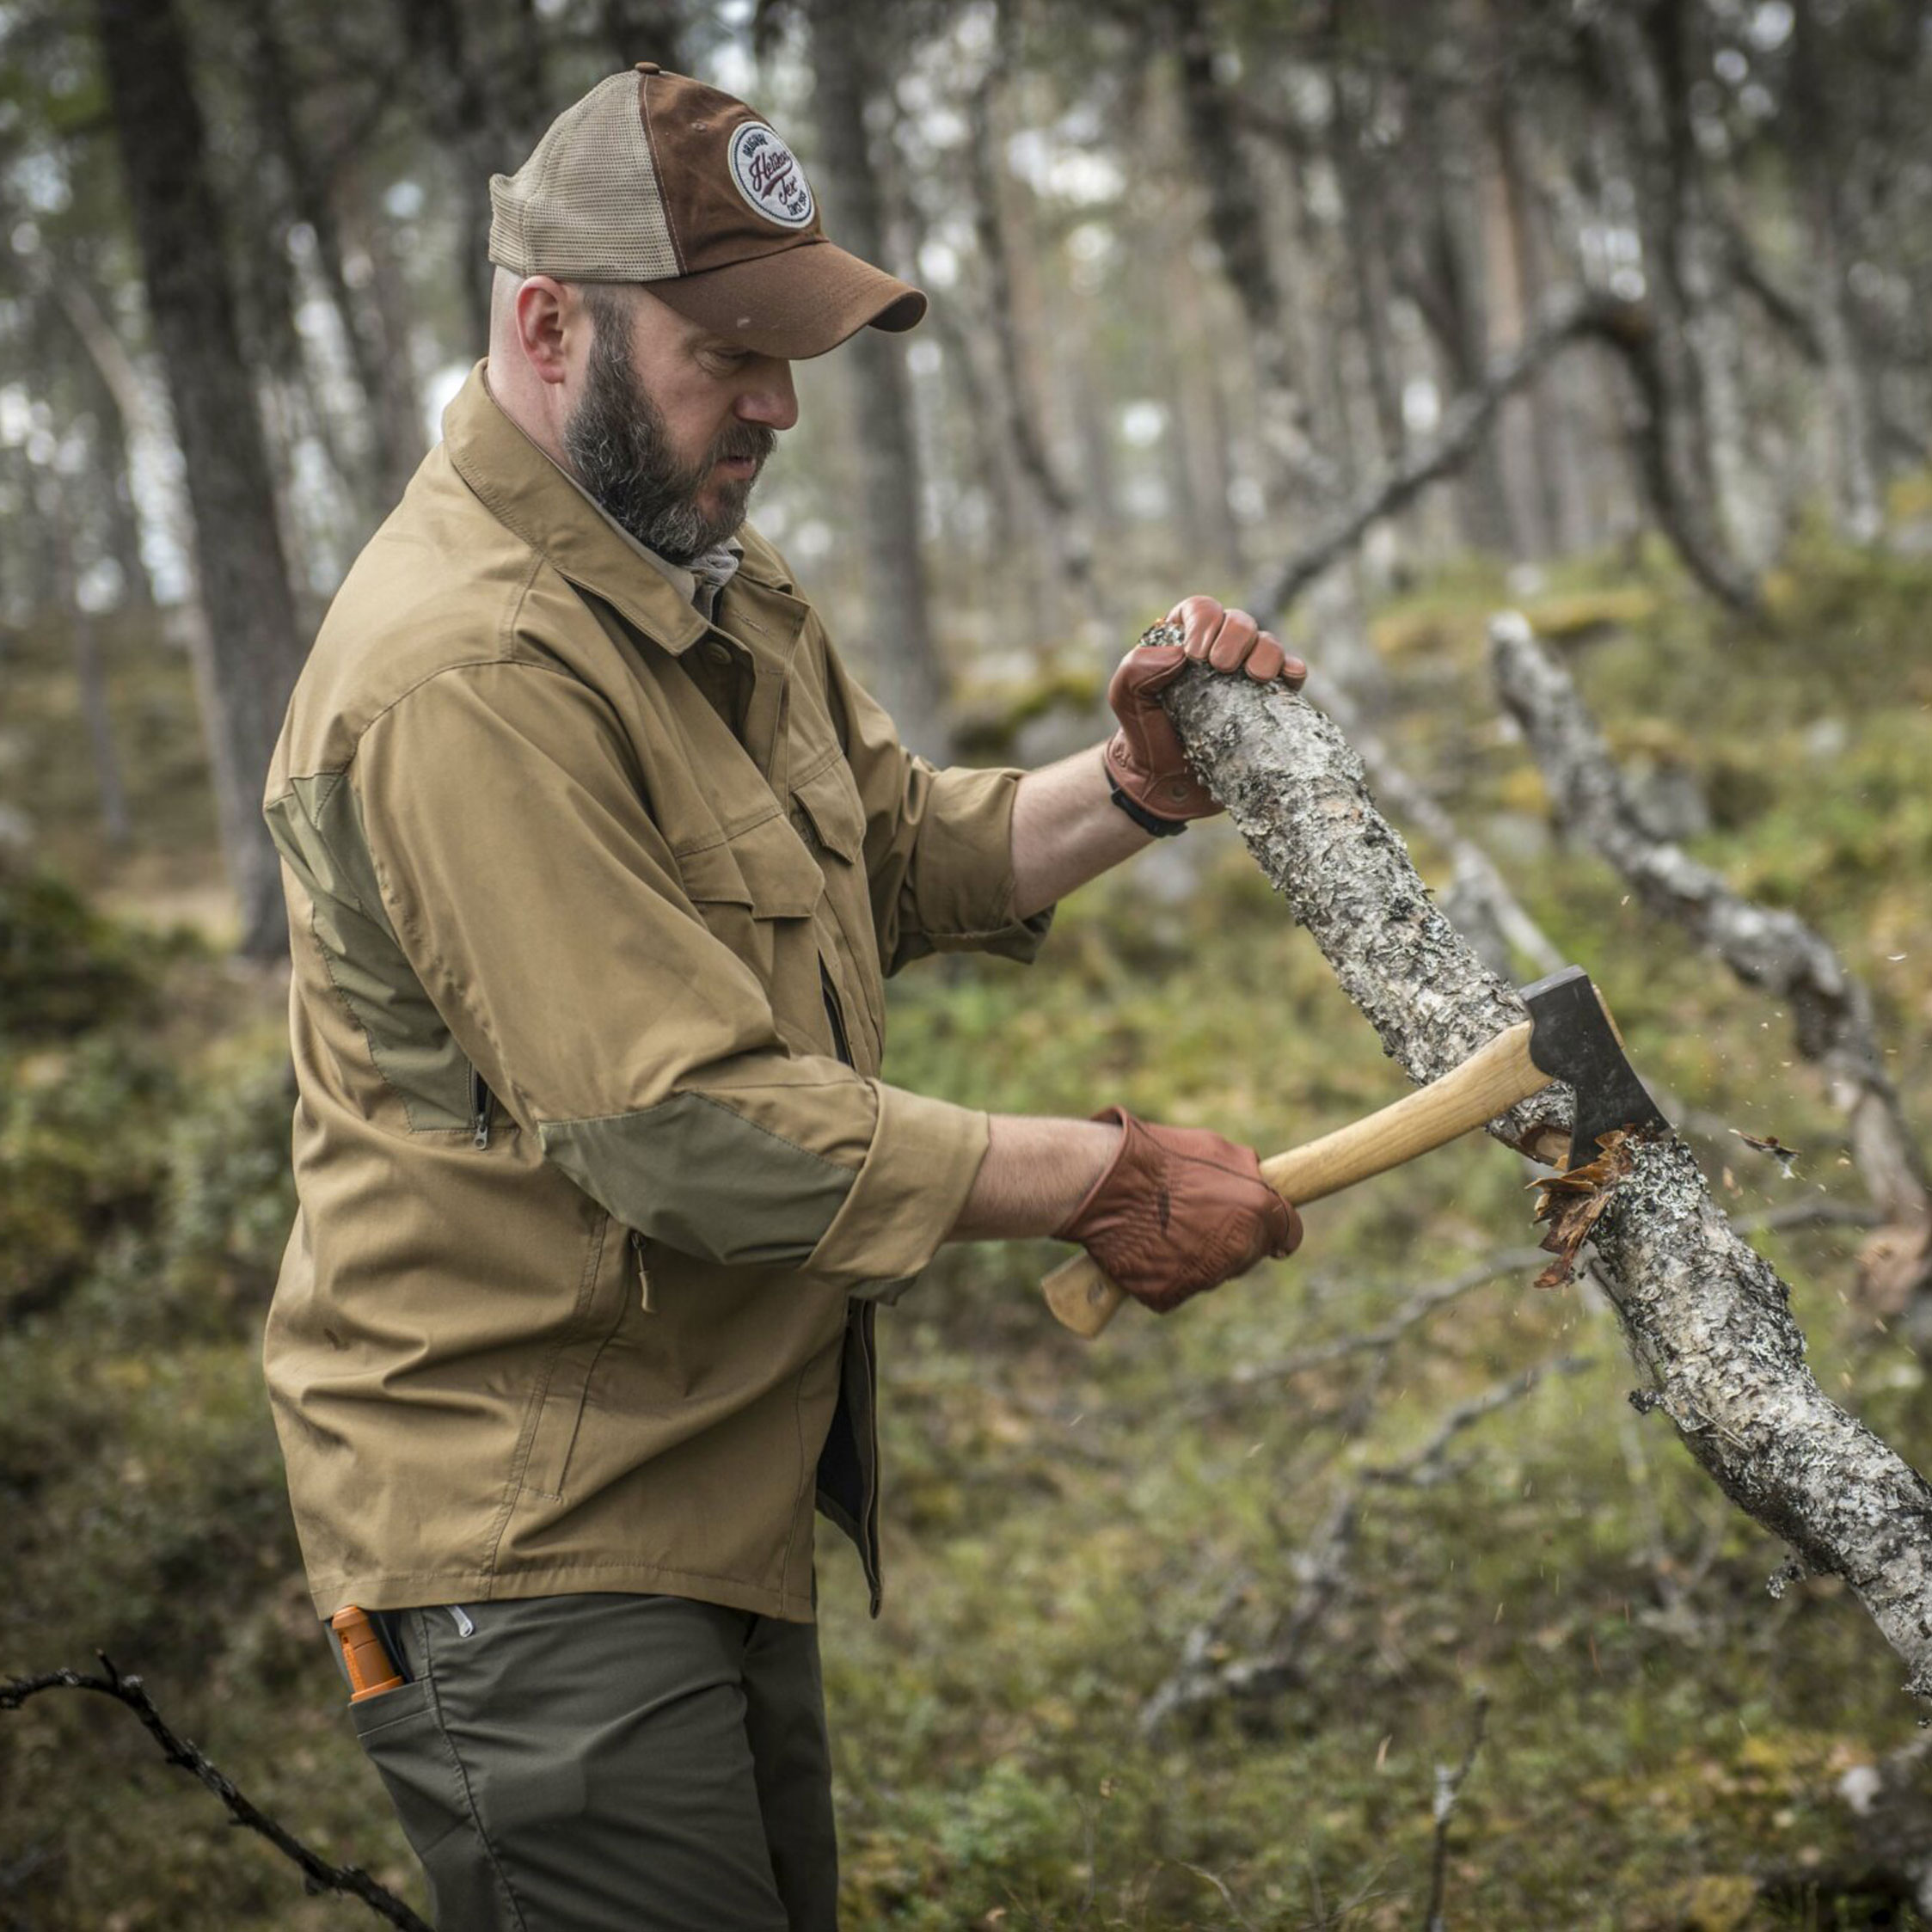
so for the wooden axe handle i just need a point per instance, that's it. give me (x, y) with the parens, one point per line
(1489, 1083)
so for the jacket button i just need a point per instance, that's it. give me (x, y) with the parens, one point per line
(718, 653)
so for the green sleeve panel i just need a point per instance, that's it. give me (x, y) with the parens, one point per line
(694, 1174)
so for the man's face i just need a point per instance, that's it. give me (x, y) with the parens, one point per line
(678, 476)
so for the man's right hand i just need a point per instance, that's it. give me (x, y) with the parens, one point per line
(1179, 1210)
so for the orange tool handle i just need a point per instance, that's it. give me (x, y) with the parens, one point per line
(371, 1671)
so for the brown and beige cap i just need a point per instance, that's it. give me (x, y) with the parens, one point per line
(655, 178)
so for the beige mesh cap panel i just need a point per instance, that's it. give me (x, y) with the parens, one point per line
(586, 205)
(656, 178)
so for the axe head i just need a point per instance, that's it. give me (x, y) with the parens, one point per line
(1573, 1039)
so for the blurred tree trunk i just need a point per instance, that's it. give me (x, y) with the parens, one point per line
(1820, 164)
(117, 406)
(478, 71)
(636, 30)
(252, 653)
(1640, 64)
(1359, 178)
(115, 484)
(847, 43)
(1236, 193)
(377, 275)
(1560, 522)
(56, 515)
(1453, 293)
(1024, 417)
(391, 436)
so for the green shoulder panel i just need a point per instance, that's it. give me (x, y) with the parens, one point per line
(318, 827)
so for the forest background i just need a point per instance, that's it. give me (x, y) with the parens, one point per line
(1358, 1595)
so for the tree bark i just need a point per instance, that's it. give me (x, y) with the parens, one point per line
(88, 671)
(253, 652)
(1853, 478)
(479, 76)
(391, 439)
(1705, 1318)
(1234, 189)
(636, 30)
(1024, 414)
(906, 669)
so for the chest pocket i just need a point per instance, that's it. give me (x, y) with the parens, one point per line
(828, 818)
(757, 890)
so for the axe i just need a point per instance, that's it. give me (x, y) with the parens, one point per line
(1569, 1036)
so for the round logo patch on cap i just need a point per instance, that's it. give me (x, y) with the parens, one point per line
(769, 176)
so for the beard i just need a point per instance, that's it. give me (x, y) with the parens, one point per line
(619, 445)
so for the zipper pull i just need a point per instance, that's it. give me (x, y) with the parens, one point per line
(479, 1110)
(643, 1274)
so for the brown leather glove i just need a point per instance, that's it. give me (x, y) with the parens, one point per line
(1179, 1210)
(1145, 761)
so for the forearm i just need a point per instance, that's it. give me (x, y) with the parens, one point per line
(1037, 1171)
(1066, 829)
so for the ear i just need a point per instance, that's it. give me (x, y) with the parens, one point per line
(547, 314)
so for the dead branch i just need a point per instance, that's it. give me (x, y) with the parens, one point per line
(1321, 1569)
(1448, 1788)
(1463, 424)
(1771, 949)
(317, 1874)
(1706, 1318)
(1249, 1378)
(1424, 1468)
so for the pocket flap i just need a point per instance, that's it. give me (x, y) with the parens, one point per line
(830, 802)
(765, 868)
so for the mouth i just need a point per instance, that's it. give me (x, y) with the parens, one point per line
(739, 469)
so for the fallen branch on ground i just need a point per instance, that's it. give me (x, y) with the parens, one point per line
(1197, 1679)
(1448, 1788)
(1766, 948)
(1253, 1379)
(1707, 1319)
(317, 1874)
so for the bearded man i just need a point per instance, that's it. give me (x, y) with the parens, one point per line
(596, 858)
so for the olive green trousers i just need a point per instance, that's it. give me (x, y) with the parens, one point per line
(584, 1763)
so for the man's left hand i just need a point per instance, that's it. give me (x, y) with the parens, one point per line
(1144, 758)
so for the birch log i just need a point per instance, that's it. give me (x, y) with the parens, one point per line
(1705, 1317)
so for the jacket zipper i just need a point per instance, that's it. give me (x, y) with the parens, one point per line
(868, 1512)
(841, 1044)
(643, 1274)
(868, 1553)
(479, 1110)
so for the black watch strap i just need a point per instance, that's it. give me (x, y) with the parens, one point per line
(1148, 822)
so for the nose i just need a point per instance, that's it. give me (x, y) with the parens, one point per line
(767, 397)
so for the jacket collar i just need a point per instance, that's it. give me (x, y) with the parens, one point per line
(526, 492)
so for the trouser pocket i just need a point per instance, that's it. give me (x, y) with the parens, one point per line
(402, 1733)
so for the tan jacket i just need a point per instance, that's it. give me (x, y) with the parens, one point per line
(591, 901)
